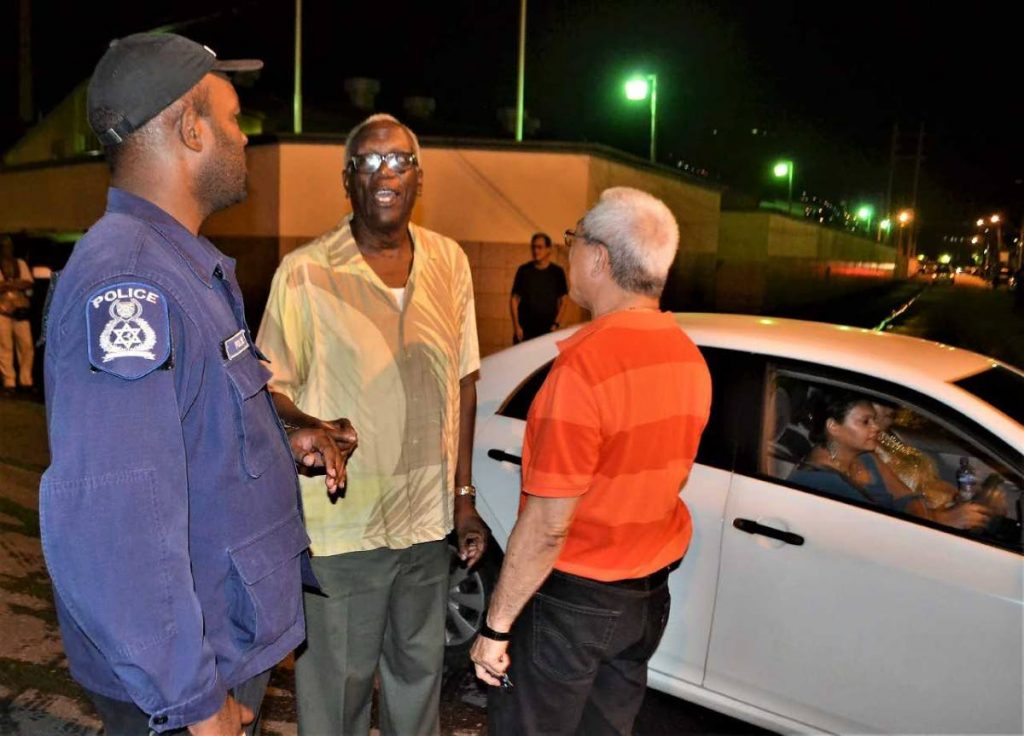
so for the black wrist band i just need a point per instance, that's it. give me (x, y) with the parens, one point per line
(488, 633)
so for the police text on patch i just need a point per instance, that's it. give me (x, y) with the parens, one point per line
(125, 292)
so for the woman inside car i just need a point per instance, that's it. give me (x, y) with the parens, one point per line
(918, 471)
(843, 463)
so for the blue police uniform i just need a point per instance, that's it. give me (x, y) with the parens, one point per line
(170, 514)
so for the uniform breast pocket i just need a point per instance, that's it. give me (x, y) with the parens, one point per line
(265, 589)
(257, 422)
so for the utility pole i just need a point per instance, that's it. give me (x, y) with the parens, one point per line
(297, 95)
(521, 73)
(26, 107)
(912, 244)
(892, 174)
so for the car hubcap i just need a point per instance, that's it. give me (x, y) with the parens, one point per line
(466, 606)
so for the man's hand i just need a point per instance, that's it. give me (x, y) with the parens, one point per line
(471, 530)
(343, 434)
(490, 658)
(326, 446)
(230, 720)
(964, 516)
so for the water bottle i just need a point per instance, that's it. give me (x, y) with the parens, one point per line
(966, 481)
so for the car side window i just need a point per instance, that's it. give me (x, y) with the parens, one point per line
(518, 404)
(736, 377)
(885, 452)
(737, 380)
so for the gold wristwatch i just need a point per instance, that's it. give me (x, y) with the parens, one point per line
(467, 490)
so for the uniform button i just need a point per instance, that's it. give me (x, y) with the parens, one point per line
(160, 720)
(218, 272)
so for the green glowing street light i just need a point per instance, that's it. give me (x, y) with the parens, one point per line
(866, 212)
(639, 88)
(636, 89)
(784, 170)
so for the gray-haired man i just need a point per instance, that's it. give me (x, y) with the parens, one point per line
(375, 321)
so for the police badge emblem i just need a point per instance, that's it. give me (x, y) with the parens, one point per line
(129, 329)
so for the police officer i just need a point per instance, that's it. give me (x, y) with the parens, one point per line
(170, 517)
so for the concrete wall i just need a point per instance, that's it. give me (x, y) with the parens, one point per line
(766, 261)
(61, 134)
(697, 210)
(490, 199)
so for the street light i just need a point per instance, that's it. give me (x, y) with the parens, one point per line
(639, 88)
(866, 212)
(903, 250)
(995, 219)
(784, 170)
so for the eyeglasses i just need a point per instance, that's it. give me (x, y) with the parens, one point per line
(368, 163)
(572, 235)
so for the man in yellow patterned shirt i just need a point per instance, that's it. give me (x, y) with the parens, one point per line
(375, 321)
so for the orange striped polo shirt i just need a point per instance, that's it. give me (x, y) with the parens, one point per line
(617, 423)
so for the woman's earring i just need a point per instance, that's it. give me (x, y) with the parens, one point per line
(833, 449)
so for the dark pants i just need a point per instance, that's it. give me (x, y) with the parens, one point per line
(531, 331)
(384, 612)
(579, 656)
(126, 719)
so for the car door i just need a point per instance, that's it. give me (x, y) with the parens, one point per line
(853, 619)
(497, 456)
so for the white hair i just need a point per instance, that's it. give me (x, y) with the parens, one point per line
(377, 119)
(641, 236)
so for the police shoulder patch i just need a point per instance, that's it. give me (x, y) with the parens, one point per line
(128, 328)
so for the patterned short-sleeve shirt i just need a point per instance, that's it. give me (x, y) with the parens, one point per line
(340, 345)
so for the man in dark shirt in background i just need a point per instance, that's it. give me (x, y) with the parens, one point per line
(538, 293)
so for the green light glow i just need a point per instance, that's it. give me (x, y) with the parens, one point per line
(637, 89)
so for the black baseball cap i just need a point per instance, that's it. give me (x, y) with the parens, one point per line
(140, 75)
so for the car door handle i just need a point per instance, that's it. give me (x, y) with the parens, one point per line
(752, 527)
(504, 457)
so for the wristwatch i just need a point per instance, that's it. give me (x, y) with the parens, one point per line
(467, 490)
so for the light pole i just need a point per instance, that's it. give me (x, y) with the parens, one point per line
(641, 87)
(866, 212)
(884, 226)
(784, 169)
(997, 223)
(903, 254)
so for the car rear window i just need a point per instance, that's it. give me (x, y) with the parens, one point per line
(999, 386)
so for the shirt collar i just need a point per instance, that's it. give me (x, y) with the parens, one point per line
(343, 252)
(623, 317)
(200, 254)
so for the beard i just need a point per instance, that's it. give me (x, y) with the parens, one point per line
(223, 182)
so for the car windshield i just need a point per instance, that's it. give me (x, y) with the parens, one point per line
(1001, 387)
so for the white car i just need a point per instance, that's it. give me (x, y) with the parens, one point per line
(794, 610)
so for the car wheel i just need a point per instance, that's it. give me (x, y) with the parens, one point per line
(469, 593)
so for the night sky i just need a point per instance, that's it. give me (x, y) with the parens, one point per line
(825, 80)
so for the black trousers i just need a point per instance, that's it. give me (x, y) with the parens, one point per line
(579, 656)
(531, 331)
(127, 719)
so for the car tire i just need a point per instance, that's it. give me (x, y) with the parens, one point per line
(469, 594)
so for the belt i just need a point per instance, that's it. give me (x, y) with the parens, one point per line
(649, 582)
